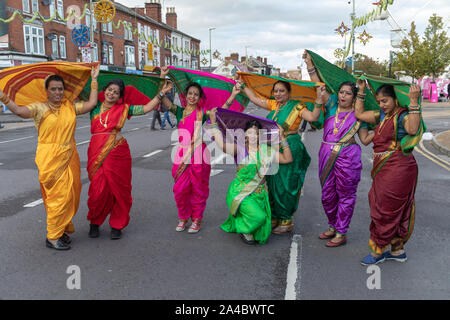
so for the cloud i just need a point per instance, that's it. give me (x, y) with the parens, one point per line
(281, 30)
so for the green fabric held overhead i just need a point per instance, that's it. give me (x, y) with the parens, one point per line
(333, 76)
(149, 86)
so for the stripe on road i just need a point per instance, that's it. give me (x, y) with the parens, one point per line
(34, 203)
(151, 154)
(215, 172)
(16, 139)
(294, 268)
(84, 142)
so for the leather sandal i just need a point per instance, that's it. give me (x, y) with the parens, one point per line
(337, 244)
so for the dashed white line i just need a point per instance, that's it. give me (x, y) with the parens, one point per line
(83, 142)
(294, 268)
(83, 127)
(134, 129)
(215, 172)
(152, 154)
(16, 139)
(34, 203)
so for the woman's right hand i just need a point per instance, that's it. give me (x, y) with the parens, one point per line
(164, 71)
(321, 93)
(212, 115)
(361, 84)
(167, 87)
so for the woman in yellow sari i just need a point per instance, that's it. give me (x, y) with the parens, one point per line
(56, 154)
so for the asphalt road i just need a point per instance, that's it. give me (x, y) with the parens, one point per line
(152, 261)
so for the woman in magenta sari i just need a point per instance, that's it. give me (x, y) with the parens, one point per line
(394, 173)
(339, 156)
(109, 158)
(191, 165)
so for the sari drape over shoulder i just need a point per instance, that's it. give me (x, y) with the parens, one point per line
(109, 161)
(285, 186)
(248, 199)
(58, 164)
(391, 198)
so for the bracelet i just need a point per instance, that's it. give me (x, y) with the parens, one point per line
(414, 108)
(360, 97)
(284, 143)
(318, 105)
(94, 85)
(228, 103)
(5, 99)
(243, 85)
(414, 111)
(161, 95)
(312, 70)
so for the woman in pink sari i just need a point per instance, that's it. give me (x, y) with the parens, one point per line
(191, 165)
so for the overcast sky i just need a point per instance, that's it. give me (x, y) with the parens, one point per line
(281, 30)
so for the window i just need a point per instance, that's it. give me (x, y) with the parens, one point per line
(34, 40)
(95, 51)
(111, 55)
(110, 27)
(52, 7)
(34, 5)
(55, 47)
(105, 54)
(88, 19)
(26, 5)
(104, 27)
(62, 46)
(60, 8)
(129, 56)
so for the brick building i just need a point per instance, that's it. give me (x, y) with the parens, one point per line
(117, 49)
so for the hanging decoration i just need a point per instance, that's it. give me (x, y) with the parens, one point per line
(216, 54)
(106, 15)
(205, 61)
(342, 29)
(364, 37)
(104, 11)
(80, 35)
(339, 53)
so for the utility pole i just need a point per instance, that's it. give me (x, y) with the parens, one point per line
(91, 22)
(352, 16)
(210, 50)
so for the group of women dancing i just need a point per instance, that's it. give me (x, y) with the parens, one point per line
(259, 203)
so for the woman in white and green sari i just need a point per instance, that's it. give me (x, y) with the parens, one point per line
(247, 196)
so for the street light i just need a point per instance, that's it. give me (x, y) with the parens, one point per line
(210, 50)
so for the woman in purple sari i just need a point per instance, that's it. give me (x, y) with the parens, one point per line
(339, 157)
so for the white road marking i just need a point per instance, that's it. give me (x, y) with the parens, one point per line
(218, 159)
(1, 164)
(83, 142)
(34, 203)
(134, 129)
(294, 268)
(152, 153)
(84, 127)
(16, 139)
(215, 172)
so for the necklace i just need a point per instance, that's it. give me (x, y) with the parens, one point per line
(104, 124)
(53, 107)
(386, 118)
(279, 108)
(337, 121)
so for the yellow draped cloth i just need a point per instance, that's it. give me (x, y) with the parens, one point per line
(56, 154)
(58, 164)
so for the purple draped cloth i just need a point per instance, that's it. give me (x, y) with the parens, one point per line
(339, 189)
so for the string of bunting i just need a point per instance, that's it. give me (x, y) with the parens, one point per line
(135, 31)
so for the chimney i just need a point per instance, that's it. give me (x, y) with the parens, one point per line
(259, 59)
(234, 56)
(265, 61)
(171, 17)
(141, 11)
(153, 10)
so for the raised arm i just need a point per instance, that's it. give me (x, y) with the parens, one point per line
(160, 97)
(18, 111)
(412, 122)
(312, 71)
(262, 103)
(321, 100)
(234, 93)
(360, 114)
(92, 102)
(229, 148)
(164, 100)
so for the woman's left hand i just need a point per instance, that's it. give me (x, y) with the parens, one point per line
(167, 87)
(414, 93)
(95, 70)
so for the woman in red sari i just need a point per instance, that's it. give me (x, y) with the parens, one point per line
(109, 157)
(394, 172)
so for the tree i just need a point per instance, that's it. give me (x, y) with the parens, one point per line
(436, 47)
(410, 58)
(370, 66)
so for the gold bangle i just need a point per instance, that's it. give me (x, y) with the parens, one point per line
(94, 85)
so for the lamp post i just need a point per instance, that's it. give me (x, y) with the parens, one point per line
(210, 50)
(352, 16)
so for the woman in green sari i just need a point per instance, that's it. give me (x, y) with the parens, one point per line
(247, 196)
(285, 186)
